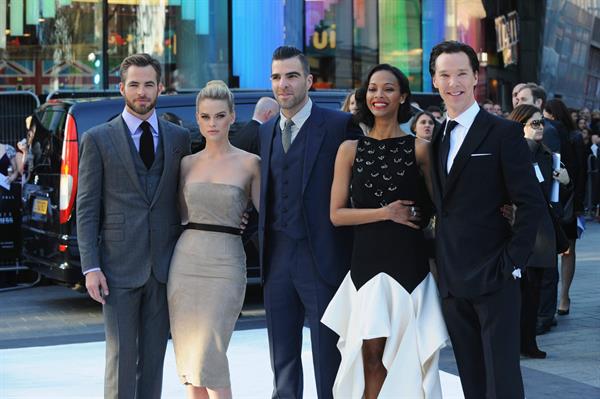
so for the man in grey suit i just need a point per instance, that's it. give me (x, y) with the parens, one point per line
(127, 226)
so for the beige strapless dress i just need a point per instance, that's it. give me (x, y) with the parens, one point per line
(207, 283)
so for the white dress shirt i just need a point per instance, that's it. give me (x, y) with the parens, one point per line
(298, 119)
(464, 120)
(133, 124)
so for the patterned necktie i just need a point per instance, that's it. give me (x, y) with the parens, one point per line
(146, 145)
(445, 147)
(286, 135)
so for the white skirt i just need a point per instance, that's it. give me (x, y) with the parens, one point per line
(412, 323)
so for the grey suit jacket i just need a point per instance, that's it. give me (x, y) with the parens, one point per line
(119, 229)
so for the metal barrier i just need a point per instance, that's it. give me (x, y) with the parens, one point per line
(15, 106)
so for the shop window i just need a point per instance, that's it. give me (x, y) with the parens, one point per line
(400, 38)
(328, 42)
(53, 47)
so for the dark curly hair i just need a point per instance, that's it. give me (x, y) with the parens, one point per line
(364, 115)
(450, 47)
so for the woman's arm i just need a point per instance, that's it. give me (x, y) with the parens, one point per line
(339, 213)
(423, 160)
(15, 170)
(255, 182)
(184, 168)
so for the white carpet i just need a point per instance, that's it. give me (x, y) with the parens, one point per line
(76, 371)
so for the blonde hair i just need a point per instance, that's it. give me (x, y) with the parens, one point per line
(216, 90)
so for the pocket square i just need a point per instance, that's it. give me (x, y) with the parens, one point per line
(481, 154)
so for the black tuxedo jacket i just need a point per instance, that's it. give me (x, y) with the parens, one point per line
(247, 138)
(476, 247)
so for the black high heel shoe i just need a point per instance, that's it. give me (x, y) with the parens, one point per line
(534, 354)
(564, 312)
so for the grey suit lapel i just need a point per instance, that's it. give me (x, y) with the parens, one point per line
(120, 136)
(167, 157)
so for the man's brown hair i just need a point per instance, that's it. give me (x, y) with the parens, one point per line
(139, 60)
(537, 92)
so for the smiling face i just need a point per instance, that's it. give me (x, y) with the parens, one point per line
(424, 127)
(140, 90)
(214, 119)
(290, 85)
(383, 95)
(456, 81)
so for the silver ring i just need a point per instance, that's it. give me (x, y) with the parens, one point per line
(412, 211)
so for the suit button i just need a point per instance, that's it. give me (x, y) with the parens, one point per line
(285, 195)
(284, 210)
(285, 182)
(285, 167)
(284, 224)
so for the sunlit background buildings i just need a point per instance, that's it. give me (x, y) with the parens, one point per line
(78, 44)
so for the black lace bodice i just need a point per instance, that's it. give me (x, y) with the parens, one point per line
(385, 171)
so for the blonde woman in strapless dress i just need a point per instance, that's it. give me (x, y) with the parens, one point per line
(207, 279)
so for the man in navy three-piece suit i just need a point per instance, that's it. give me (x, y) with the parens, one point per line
(304, 257)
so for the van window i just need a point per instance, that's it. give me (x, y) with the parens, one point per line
(330, 105)
(46, 145)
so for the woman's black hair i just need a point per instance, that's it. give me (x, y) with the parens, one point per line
(413, 124)
(522, 113)
(365, 116)
(559, 111)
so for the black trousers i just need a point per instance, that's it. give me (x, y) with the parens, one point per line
(485, 337)
(548, 296)
(530, 301)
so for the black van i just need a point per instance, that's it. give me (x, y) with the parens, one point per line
(49, 206)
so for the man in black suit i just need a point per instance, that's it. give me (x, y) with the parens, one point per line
(480, 162)
(247, 137)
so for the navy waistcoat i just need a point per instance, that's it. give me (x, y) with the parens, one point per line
(285, 194)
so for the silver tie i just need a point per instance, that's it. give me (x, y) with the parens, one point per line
(286, 135)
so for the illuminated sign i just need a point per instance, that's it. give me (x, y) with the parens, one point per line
(507, 36)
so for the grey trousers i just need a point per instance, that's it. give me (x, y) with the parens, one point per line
(136, 324)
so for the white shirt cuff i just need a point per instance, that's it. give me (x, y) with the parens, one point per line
(516, 273)
(95, 269)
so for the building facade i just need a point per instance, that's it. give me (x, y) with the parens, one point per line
(78, 44)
